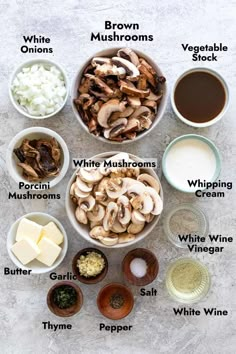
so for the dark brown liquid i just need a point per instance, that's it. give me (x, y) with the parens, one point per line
(199, 97)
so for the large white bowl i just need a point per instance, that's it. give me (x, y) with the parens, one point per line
(83, 230)
(21, 109)
(36, 266)
(109, 53)
(36, 133)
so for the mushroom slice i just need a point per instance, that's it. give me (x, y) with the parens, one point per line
(84, 187)
(97, 213)
(78, 193)
(142, 82)
(103, 169)
(124, 210)
(126, 237)
(128, 54)
(81, 216)
(118, 228)
(109, 69)
(129, 182)
(115, 187)
(132, 171)
(103, 87)
(98, 232)
(143, 202)
(145, 122)
(110, 215)
(137, 217)
(90, 175)
(134, 188)
(85, 84)
(133, 125)
(100, 61)
(85, 100)
(111, 240)
(113, 105)
(28, 170)
(134, 102)
(135, 228)
(149, 217)
(154, 97)
(151, 77)
(150, 104)
(116, 129)
(141, 111)
(133, 91)
(126, 113)
(132, 71)
(149, 181)
(157, 201)
(87, 203)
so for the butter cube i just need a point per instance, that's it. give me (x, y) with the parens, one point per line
(25, 250)
(52, 232)
(29, 229)
(49, 251)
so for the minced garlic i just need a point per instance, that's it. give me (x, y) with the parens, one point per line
(91, 265)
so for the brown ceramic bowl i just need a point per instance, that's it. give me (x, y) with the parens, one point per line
(103, 301)
(91, 280)
(70, 311)
(152, 266)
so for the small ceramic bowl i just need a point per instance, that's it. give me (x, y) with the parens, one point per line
(28, 63)
(83, 230)
(36, 133)
(90, 280)
(70, 311)
(35, 266)
(219, 116)
(152, 266)
(109, 53)
(104, 301)
(196, 137)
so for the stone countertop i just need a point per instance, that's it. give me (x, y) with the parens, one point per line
(155, 328)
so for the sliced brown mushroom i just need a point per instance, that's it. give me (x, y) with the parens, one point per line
(134, 102)
(100, 61)
(128, 54)
(133, 91)
(109, 69)
(132, 71)
(117, 127)
(113, 105)
(100, 84)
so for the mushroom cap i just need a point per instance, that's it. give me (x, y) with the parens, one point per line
(113, 105)
(149, 181)
(157, 201)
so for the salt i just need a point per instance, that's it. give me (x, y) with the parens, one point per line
(138, 267)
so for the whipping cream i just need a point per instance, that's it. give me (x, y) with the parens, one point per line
(190, 159)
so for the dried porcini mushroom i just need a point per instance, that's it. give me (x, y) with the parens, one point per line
(115, 87)
(116, 202)
(39, 158)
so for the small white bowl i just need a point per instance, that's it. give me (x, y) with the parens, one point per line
(109, 53)
(21, 109)
(36, 266)
(219, 116)
(36, 133)
(83, 230)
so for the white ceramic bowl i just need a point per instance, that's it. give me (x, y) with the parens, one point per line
(36, 133)
(21, 109)
(220, 115)
(36, 266)
(83, 230)
(109, 53)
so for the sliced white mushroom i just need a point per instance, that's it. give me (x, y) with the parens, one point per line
(149, 181)
(135, 188)
(119, 157)
(110, 215)
(90, 175)
(83, 186)
(149, 217)
(113, 105)
(143, 202)
(115, 187)
(135, 228)
(98, 232)
(132, 71)
(87, 203)
(97, 213)
(81, 216)
(137, 217)
(111, 240)
(92, 224)
(126, 237)
(78, 193)
(133, 171)
(157, 201)
(124, 210)
(129, 182)
(118, 228)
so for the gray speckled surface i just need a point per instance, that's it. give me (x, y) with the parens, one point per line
(155, 328)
